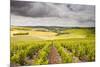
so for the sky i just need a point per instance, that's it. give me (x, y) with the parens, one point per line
(32, 13)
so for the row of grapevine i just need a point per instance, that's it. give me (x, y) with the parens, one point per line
(84, 48)
(66, 57)
(21, 50)
(43, 54)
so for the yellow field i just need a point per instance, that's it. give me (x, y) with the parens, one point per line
(34, 33)
(47, 35)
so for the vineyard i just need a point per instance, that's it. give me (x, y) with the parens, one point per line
(38, 52)
(27, 50)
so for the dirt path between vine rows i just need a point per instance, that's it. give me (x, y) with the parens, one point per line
(54, 57)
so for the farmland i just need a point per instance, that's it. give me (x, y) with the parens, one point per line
(51, 45)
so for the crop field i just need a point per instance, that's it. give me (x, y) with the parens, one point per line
(51, 45)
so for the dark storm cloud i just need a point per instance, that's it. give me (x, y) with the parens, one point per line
(33, 9)
(38, 9)
(80, 13)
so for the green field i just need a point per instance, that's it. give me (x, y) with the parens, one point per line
(51, 45)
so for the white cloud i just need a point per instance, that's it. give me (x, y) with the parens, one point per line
(47, 21)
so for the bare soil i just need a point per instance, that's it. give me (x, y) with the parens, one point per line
(54, 57)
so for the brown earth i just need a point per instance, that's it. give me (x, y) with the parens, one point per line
(54, 57)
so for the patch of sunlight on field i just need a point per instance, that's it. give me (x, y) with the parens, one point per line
(25, 38)
(43, 35)
(67, 36)
(76, 31)
(40, 33)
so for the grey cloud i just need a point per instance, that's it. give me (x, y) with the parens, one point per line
(38, 9)
(80, 13)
